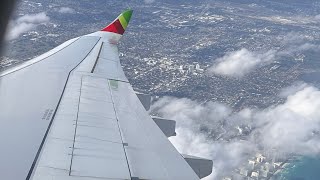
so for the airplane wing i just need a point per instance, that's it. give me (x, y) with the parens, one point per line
(74, 114)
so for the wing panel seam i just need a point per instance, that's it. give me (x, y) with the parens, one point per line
(98, 56)
(75, 129)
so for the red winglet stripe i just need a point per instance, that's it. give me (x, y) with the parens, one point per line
(118, 26)
(115, 27)
(110, 28)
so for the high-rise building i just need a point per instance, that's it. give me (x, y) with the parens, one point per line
(251, 164)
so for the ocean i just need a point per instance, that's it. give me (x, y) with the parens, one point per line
(306, 168)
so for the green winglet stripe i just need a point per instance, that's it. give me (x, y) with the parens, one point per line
(127, 15)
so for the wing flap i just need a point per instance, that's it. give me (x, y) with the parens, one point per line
(105, 160)
(94, 148)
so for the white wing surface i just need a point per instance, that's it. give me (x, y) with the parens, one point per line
(91, 122)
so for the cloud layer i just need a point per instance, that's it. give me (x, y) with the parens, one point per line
(24, 24)
(215, 131)
(238, 63)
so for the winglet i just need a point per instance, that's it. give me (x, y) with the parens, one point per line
(120, 24)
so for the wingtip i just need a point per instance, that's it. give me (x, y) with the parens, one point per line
(120, 24)
(127, 14)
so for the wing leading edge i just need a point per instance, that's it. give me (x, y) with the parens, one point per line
(97, 127)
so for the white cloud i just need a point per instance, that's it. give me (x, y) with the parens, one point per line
(226, 155)
(317, 17)
(189, 115)
(296, 43)
(16, 30)
(149, 1)
(292, 127)
(66, 10)
(33, 18)
(24, 24)
(297, 86)
(289, 128)
(239, 63)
